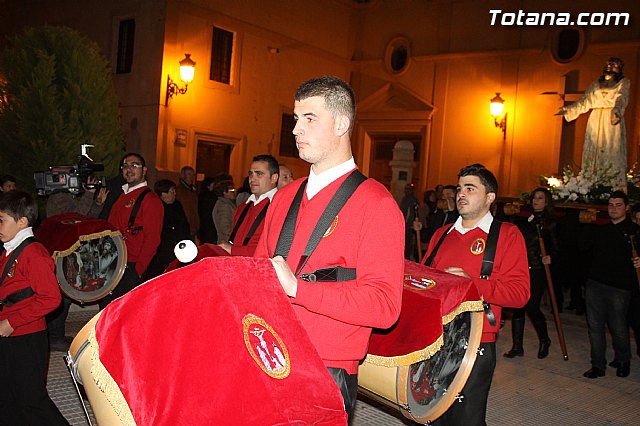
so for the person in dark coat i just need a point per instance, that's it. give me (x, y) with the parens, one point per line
(175, 228)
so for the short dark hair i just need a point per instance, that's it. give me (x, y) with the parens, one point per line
(163, 186)
(7, 178)
(453, 187)
(222, 187)
(185, 168)
(620, 194)
(135, 154)
(19, 204)
(337, 94)
(272, 163)
(486, 177)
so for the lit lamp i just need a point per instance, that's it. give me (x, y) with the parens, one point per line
(497, 108)
(187, 70)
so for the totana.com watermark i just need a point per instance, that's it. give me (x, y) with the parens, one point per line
(522, 18)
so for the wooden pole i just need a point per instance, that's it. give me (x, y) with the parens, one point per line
(552, 296)
(634, 254)
(416, 209)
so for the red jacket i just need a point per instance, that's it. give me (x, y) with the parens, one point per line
(237, 249)
(508, 285)
(368, 235)
(34, 269)
(142, 246)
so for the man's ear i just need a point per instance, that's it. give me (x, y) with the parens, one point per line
(491, 197)
(342, 125)
(23, 223)
(274, 178)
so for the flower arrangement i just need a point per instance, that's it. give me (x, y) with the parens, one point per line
(587, 186)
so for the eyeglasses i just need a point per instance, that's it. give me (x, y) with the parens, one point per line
(131, 165)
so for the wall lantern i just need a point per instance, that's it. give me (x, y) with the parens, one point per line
(497, 109)
(187, 71)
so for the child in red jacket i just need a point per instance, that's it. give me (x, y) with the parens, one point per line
(28, 291)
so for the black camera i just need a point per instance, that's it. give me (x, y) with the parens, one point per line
(71, 179)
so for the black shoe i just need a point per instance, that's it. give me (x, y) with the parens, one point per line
(543, 350)
(514, 352)
(593, 373)
(623, 369)
(615, 364)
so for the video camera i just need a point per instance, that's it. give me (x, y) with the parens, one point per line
(71, 179)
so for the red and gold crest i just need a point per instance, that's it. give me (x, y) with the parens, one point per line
(12, 270)
(130, 203)
(265, 347)
(478, 246)
(332, 227)
(418, 283)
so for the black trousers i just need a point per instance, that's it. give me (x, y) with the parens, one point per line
(130, 280)
(56, 319)
(23, 391)
(348, 384)
(471, 408)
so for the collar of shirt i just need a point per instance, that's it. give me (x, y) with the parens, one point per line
(268, 194)
(22, 235)
(317, 183)
(484, 224)
(127, 190)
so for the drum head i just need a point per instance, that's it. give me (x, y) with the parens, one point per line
(93, 269)
(429, 387)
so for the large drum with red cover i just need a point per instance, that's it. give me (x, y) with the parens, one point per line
(90, 254)
(420, 366)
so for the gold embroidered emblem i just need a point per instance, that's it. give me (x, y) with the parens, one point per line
(266, 347)
(418, 283)
(130, 203)
(477, 247)
(332, 227)
(12, 270)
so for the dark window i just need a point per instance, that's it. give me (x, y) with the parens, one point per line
(567, 45)
(287, 138)
(126, 37)
(221, 52)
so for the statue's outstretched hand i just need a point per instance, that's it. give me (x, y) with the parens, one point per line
(560, 112)
(614, 119)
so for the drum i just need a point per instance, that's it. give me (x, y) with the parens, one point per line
(79, 360)
(89, 254)
(425, 390)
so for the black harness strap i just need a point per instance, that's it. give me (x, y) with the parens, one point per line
(19, 295)
(134, 212)
(254, 226)
(339, 199)
(487, 260)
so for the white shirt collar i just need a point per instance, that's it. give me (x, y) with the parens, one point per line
(317, 183)
(484, 224)
(22, 235)
(127, 190)
(268, 194)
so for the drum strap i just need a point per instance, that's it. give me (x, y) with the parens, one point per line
(487, 259)
(134, 212)
(254, 226)
(339, 199)
(19, 295)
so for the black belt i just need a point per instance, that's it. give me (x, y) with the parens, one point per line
(16, 297)
(330, 275)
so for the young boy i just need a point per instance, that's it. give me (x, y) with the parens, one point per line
(28, 291)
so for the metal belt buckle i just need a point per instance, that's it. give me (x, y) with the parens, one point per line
(309, 277)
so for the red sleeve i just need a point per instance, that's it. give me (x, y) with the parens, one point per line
(152, 216)
(35, 269)
(376, 298)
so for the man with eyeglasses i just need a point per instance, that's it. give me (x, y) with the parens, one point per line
(138, 215)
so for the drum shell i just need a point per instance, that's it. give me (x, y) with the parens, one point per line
(389, 385)
(81, 353)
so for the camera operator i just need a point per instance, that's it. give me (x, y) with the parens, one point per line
(88, 203)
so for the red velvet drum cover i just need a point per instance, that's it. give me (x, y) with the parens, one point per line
(213, 343)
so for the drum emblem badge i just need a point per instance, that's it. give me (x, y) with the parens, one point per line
(266, 347)
(418, 283)
(477, 247)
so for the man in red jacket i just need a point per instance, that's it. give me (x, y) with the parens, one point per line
(461, 253)
(361, 250)
(248, 220)
(142, 237)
